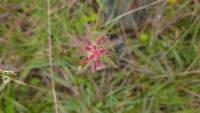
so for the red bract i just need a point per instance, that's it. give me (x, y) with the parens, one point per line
(95, 51)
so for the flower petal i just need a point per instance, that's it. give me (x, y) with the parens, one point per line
(95, 52)
(91, 57)
(98, 63)
(86, 48)
(94, 46)
(99, 40)
(102, 51)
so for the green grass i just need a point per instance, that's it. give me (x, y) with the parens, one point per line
(155, 70)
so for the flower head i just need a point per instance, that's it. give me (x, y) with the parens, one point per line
(94, 50)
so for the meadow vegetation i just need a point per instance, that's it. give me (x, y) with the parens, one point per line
(154, 66)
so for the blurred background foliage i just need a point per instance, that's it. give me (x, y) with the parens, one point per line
(154, 67)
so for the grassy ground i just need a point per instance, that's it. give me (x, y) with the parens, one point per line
(154, 67)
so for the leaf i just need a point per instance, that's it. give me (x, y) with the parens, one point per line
(9, 107)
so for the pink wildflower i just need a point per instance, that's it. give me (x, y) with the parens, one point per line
(95, 51)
